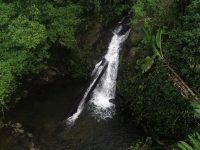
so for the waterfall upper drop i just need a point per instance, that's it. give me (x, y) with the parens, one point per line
(102, 89)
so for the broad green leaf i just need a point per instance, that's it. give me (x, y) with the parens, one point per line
(158, 38)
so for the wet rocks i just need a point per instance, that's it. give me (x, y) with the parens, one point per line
(16, 137)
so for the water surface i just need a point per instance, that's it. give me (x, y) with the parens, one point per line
(43, 111)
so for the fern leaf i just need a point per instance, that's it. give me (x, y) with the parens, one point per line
(182, 147)
(194, 142)
(185, 146)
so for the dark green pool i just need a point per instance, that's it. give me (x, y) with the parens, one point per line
(43, 111)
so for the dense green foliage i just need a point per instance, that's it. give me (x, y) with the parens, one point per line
(27, 31)
(183, 48)
(155, 102)
(150, 93)
(154, 12)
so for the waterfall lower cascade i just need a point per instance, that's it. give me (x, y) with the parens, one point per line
(102, 89)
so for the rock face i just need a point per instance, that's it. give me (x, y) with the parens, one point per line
(16, 137)
(125, 29)
(92, 35)
(92, 42)
(136, 34)
(49, 76)
(131, 49)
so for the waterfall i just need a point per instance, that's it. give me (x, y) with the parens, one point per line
(103, 86)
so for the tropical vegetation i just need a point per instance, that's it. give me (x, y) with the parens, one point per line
(159, 74)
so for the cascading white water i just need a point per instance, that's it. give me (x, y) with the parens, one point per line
(104, 92)
(97, 71)
(100, 101)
